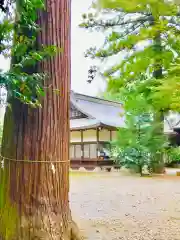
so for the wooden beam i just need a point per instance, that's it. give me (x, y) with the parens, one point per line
(89, 142)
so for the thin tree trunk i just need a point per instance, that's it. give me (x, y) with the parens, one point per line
(158, 74)
(40, 190)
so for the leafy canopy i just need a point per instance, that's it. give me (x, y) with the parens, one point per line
(146, 32)
(18, 41)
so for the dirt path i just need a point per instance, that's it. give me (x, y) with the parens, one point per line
(109, 207)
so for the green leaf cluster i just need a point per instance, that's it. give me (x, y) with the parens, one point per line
(141, 140)
(174, 154)
(147, 33)
(18, 41)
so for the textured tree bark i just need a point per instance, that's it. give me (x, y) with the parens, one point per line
(40, 190)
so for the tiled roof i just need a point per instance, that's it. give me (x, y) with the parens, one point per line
(101, 111)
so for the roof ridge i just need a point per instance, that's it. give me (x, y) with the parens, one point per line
(97, 98)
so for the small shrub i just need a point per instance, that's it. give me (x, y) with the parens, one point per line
(174, 157)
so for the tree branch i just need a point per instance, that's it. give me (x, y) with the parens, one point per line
(106, 24)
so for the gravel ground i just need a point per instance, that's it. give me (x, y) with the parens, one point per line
(110, 206)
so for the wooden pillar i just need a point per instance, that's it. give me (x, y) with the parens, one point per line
(110, 139)
(110, 135)
(97, 136)
(82, 147)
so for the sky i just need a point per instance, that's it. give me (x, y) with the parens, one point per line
(81, 40)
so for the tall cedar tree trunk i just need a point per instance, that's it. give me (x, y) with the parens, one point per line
(40, 190)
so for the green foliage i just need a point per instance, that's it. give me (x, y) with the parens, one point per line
(174, 154)
(141, 140)
(166, 93)
(112, 97)
(147, 32)
(18, 40)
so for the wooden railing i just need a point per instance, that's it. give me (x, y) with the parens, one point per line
(92, 163)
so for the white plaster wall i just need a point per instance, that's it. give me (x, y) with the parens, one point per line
(89, 136)
(104, 135)
(75, 136)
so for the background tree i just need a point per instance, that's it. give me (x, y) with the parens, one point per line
(139, 142)
(35, 147)
(147, 34)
